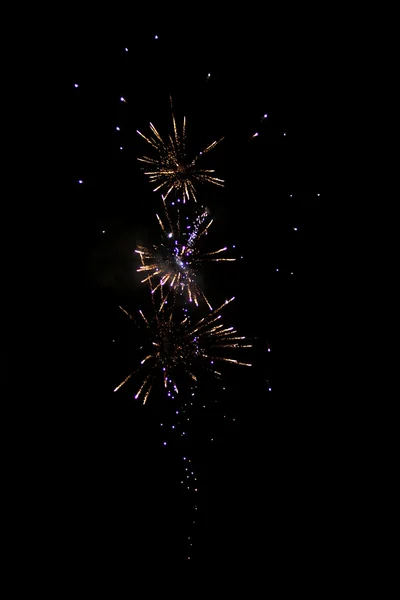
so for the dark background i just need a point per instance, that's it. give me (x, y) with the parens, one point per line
(266, 483)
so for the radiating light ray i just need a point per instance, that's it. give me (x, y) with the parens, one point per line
(172, 169)
(141, 387)
(124, 381)
(177, 345)
(142, 315)
(175, 261)
(123, 310)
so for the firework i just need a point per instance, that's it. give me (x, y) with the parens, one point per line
(175, 261)
(177, 344)
(172, 169)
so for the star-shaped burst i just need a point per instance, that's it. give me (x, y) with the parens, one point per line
(175, 344)
(172, 169)
(172, 265)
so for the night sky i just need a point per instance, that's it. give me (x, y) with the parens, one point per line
(259, 448)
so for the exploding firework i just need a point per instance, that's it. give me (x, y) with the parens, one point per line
(172, 169)
(175, 344)
(175, 261)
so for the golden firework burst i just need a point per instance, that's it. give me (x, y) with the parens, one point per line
(172, 265)
(176, 343)
(172, 169)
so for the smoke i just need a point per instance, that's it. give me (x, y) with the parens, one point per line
(111, 261)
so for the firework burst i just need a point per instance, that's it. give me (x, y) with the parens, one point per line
(172, 169)
(175, 261)
(175, 344)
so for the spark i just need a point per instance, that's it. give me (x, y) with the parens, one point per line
(173, 169)
(178, 346)
(173, 264)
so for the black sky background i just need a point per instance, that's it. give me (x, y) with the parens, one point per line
(267, 484)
